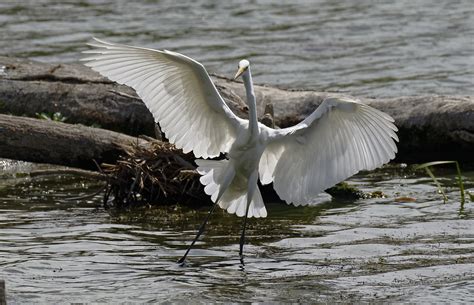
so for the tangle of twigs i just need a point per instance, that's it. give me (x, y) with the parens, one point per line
(154, 174)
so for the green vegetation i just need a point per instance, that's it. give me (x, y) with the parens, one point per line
(346, 191)
(55, 116)
(427, 166)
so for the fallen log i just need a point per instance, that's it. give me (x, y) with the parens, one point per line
(138, 171)
(78, 93)
(42, 141)
(430, 127)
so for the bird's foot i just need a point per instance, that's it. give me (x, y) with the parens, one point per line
(242, 262)
(182, 262)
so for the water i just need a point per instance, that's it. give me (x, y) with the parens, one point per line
(54, 250)
(364, 48)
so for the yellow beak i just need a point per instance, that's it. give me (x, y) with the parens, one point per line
(239, 72)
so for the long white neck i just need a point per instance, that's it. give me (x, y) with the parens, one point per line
(253, 123)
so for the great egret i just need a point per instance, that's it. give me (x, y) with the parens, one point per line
(341, 137)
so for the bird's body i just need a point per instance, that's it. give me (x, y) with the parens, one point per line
(341, 137)
(236, 181)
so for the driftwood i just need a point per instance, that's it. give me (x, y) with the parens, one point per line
(77, 92)
(137, 171)
(42, 141)
(431, 127)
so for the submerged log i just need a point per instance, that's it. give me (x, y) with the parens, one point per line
(431, 127)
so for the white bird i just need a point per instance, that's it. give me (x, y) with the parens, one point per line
(341, 137)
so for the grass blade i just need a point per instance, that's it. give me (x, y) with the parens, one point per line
(438, 185)
(426, 166)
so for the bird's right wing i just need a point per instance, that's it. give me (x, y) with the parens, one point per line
(178, 92)
(340, 138)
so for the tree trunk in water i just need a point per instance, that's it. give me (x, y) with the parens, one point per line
(430, 127)
(58, 143)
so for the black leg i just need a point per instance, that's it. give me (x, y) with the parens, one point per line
(242, 237)
(201, 229)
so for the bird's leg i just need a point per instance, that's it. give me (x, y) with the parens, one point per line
(201, 229)
(229, 177)
(242, 236)
(252, 185)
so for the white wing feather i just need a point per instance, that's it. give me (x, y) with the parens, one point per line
(340, 138)
(178, 92)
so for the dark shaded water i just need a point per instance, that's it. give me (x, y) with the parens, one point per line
(58, 251)
(365, 48)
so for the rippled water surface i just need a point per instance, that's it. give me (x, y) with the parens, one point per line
(57, 250)
(365, 48)
(54, 250)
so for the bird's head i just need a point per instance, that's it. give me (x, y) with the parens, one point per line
(243, 67)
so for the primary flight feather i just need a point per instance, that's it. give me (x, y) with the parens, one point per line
(341, 137)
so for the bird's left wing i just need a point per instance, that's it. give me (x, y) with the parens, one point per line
(341, 137)
(178, 92)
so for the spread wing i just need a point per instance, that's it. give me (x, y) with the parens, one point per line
(340, 138)
(178, 92)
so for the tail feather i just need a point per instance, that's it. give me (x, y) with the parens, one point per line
(257, 205)
(213, 175)
(235, 202)
(234, 198)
